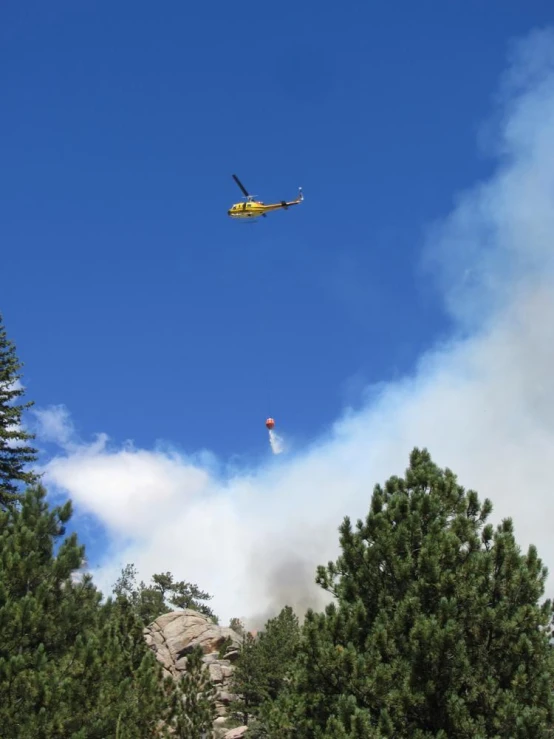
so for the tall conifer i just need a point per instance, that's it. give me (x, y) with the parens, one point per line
(437, 629)
(263, 670)
(45, 621)
(71, 667)
(15, 451)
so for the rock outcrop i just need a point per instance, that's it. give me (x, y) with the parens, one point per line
(237, 733)
(174, 635)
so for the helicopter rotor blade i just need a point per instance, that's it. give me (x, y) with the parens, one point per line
(239, 183)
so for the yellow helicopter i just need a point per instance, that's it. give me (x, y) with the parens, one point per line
(251, 208)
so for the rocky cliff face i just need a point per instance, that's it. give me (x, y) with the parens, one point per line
(174, 635)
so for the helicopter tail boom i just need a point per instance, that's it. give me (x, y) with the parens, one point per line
(286, 204)
(299, 199)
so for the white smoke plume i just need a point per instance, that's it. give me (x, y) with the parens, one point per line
(482, 403)
(276, 442)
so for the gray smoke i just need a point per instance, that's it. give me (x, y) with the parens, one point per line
(290, 583)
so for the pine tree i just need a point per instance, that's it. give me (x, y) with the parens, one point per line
(126, 695)
(237, 625)
(436, 631)
(70, 667)
(247, 680)
(188, 595)
(263, 669)
(44, 618)
(161, 595)
(193, 700)
(15, 452)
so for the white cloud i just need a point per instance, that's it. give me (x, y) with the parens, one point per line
(483, 404)
(54, 424)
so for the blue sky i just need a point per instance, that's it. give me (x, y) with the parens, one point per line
(138, 305)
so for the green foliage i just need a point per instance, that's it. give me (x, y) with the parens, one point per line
(247, 679)
(436, 631)
(71, 667)
(224, 648)
(263, 669)
(237, 626)
(193, 700)
(44, 620)
(125, 690)
(161, 596)
(15, 452)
